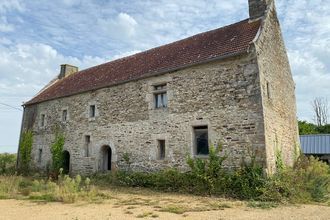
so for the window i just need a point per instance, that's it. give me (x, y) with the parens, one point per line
(161, 150)
(40, 156)
(201, 140)
(87, 142)
(92, 111)
(268, 90)
(160, 95)
(43, 120)
(64, 115)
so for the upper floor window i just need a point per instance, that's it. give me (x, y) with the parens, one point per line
(43, 118)
(268, 90)
(160, 96)
(92, 111)
(161, 150)
(201, 140)
(64, 115)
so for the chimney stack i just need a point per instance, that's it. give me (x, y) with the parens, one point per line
(257, 8)
(67, 70)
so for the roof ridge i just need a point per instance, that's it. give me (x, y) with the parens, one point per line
(164, 45)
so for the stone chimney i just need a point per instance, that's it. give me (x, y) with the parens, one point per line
(67, 70)
(257, 8)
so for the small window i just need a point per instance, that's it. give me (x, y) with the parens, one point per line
(201, 140)
(43, 120)
(268, 90)
(64, 115)
(92, 111)
(161, 150)
(160, 96)
(87, 143)
(39, 155)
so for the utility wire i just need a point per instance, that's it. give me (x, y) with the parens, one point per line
(10, 106)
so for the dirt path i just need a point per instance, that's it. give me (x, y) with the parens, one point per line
(156, 206)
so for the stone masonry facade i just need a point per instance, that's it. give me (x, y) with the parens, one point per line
(246, 101)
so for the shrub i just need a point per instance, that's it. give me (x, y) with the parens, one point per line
(7, 164)
(308, 180)
(57, 152)
(25, 149)
(206, 172)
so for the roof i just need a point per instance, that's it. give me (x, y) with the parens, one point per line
(219, 43)
(315, 144)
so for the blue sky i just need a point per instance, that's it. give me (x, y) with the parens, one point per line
(37, 36)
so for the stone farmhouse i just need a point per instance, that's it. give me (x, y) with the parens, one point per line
(230, 86)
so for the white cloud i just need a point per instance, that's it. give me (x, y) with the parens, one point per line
(5, 26)
(7, 5)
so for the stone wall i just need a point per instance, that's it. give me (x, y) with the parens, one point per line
(278, 92)
(225, 95)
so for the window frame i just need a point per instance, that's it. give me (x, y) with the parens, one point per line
(40, 155)
(42, 120)
(92, 111)
(161, 149)
(199, 128)
(64, 116)
(87, 142)
(160, 96)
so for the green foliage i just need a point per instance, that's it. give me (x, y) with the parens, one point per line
(279, 161)
(306, 128)
(127, 159)
(57, 152)
(248, 181)
(65, 189)
(7, 164)
(25, 149)
(308, 180)
(207, 171)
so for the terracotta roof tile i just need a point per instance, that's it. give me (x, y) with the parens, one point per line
(225, 41)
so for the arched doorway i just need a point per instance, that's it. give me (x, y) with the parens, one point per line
(106, 158)
(66, 162)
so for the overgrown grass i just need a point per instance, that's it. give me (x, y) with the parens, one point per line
(307, 181)
(65, 189)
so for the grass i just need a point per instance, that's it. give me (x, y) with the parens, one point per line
(262, 205)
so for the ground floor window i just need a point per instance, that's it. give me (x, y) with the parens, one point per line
(161, 150)
(201, 142)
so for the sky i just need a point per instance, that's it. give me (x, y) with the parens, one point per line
(36, 36)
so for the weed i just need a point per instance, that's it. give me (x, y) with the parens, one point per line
(262, 205)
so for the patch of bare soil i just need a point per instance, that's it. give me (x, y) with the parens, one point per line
(151, 205)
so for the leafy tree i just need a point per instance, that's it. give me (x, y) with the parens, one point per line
(307, 128)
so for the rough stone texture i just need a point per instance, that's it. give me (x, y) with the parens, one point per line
(223, 95)
(257, 8)
(279, 103)
(230, 96)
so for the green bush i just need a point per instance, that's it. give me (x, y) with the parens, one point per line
(25, 149)
(57, 152)
(7, 164)
(308, 180)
